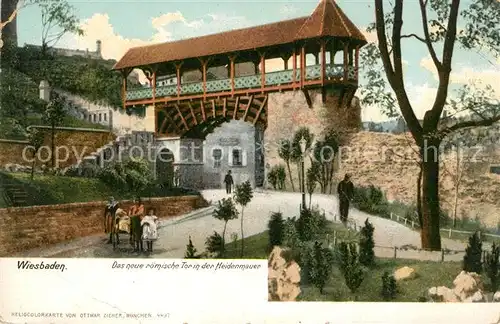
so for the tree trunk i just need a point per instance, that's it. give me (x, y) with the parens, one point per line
(290, 174)
(52, 154)
(242, 235)
(299, 173)
(9, 31)
(419, 197)
(430, 235)
(310, 199)
(330, 179)
(224, 238)
(457, 184)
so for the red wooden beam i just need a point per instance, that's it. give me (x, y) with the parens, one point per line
(224, 107)
(357, 63)
(232, 58)
(262, 70)
(262, 105)
(248, 108)
(345, 61)
(202, 107)
(302, 66)
(236, 107)
(182, 117)
(323, 62)
(178, 68)
(192, 113)
(213, 108)
(294, 63)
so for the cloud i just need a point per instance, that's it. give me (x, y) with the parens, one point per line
(466, 75)
(288, 11)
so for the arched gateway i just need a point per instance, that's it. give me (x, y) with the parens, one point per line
(198, 84)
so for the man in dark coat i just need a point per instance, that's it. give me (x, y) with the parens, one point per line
(345, 190)
(109, 217)
(228, 180)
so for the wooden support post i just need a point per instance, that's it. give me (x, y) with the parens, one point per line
(294, 64)
(213, 108)
(316, 59)
(248, 108)
(202, 107)
(224, 107)
(182, 117)
(356, 63)
(204, 74)
(178, 68)
(395, 252)
(345, 61)
(262, 70)
(236, 107)
(323, 62)
(262, 105)
(232, 72)
(192, 113)
(302, 66)
(163, 124)
(124, 90)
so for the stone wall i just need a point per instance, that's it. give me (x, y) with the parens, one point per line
(78, 141)
(289, 111)
(25, 228)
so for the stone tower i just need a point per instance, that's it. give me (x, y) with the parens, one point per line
(98, 48)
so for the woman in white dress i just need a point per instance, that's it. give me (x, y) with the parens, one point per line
(149, 229)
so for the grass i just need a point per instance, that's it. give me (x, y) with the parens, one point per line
(257, 246)
(429, 274)
(51, 189)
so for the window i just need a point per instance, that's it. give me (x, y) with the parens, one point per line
(237, 160)
(105, 117)
(217, 156)
(100, 117)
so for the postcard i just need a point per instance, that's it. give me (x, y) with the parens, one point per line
(314, 161)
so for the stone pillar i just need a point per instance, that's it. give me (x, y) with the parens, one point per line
(44, 90)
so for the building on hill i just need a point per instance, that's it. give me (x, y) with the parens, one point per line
(222, 91)
(75, 52)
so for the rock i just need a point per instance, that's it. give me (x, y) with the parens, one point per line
(467, 284)
(496, 297)
(443, 294)
(404, 273)
(477, 297)
(283, 277)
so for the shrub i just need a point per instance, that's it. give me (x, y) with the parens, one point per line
(491, 266)
(389, 286)
(320, 266)
(225, 211)
(473, 253)
(291, 237)
(191, 251)
(371, 200)
(276, 228)
(281, 177)
(272, 177)
(366, 245)
(350, 267)
(307, 225)
(214, 244)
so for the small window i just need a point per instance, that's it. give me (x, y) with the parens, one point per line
(105, 117)
(217, 156)
(237, 161)
(100, 117)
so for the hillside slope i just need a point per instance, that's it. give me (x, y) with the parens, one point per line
(388, 161)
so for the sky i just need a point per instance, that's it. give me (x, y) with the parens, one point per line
(122, 24)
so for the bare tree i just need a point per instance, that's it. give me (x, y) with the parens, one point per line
(476, 31)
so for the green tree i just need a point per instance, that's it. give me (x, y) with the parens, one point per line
(272, 177)
(307, 226)
(276, 227)
(366, 245)
(444, 25)
(225, 211)
(214, 244)
(54, 116)
(473, 254)
(321, 266)
(243, 194)
(35, 138)
(311, 180)
(191, 251)
(350, 267)
(58, 19)
(492, 266)
(389, 286)
(281, 177)
(324, 153)
(285, 153)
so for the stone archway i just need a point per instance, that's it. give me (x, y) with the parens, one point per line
(165, 167)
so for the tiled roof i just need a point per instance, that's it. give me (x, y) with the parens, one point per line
(327, 20)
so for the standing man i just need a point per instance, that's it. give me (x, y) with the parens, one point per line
(228, 180)
(109, 217)
(345, 190)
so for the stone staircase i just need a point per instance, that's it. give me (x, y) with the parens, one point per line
(14, 194)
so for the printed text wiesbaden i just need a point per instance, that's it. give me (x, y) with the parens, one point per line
(28, 265)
